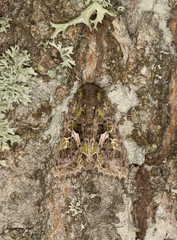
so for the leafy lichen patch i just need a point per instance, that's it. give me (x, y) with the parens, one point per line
(65, 54)
(6, 134)
(61, 71)
(85, 18)
(16, 79)
(4, 24)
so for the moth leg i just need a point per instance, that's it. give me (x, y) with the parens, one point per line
(100, 159)
(79, 160)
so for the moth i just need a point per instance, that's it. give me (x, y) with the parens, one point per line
(90, 137)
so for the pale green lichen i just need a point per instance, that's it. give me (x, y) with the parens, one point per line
(74, 208)
(2, 163)
(16, 79)
(4, 24)
(61, 72)
(6, 134)
(65, 54)
(85, 18)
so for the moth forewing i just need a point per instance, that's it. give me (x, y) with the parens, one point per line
(92, 135)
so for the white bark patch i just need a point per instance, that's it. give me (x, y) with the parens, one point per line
(57, 122)
(165, 221)
(125, 227)
(135, 154)
(144, 6)
(122, 97)
(126, 128)
(106, 80)
(162, 13)
(121, 35)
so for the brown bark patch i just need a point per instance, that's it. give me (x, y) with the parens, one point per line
(171, 131)
(90, 58)
(1, 7)
(144, 192)
(173, 26)
(170, 137)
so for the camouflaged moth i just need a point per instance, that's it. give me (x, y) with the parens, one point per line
(90, 138)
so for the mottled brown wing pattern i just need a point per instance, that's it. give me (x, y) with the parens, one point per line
(90, 138)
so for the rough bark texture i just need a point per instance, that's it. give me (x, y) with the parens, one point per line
(131, 60)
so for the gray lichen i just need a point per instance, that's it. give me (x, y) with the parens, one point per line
(16, 79)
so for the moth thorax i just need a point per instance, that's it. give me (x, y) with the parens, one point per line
(89, 129)
(90, 114)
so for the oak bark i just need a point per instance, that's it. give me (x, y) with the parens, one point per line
(132, 58)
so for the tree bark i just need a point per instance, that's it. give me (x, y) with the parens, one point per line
(97, 156)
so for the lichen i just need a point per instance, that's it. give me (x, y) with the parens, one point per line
(61, 71)
(74, 208)
(4, 22)
(16, 79)
(85, 18)
(6, 134)
(65, 54)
